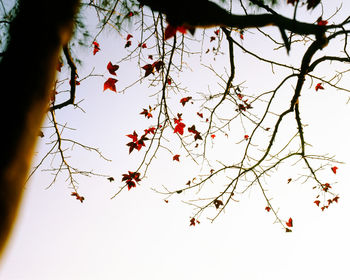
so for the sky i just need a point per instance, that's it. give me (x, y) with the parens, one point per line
(137, 235)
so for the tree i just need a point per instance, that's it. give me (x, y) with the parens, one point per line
(254, 116)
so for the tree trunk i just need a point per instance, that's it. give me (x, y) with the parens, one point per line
(27, 72)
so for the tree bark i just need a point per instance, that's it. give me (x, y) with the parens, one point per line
(27, 73)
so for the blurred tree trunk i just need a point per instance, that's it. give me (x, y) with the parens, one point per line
(27, 72)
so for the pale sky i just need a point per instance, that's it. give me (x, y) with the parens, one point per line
(139, 236)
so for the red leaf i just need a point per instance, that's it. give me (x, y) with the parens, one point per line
(146, 113)
(326, 186)
(130, 178)
(150, 56)
(334, 169)
(133, 136)
(111, 179)
(112, 68)
(200, 115)
(289, 223)
(213, 136)
(157, 65)
(317, 202)
(335, 199)
(148, 68)
(96, 47)
(110, 84)
(212, 38)
(144, 46)
(184, 100)
(176, 157)
(246, 137)
(129, 37)
(217, 31)
(193, 222)
(130, 14)
(128, 44)
(321, 22)
(150, 130)
(289, 180)
(319, 86)
(78, 197)
(169, 81)
(267, 208)
(192, 129)
(179, 128)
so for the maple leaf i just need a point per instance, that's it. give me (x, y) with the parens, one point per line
(197, 136)
(290, 222)
(110, 84)
(267, 208)
(111, 179)
(146, 113)
(193, 222)
(176, 157)
(213, 136)
(217, 31)
(319, 86)
(289, 180)
(200, 115)
(246, 137)
(128, 44)
(218, 203)
(140, 143)
(128, 37)
(130, 14)
(150, 130)
(192, 129)
(212, 38)
(335, 199)
(317, 202)
(144, 46)
(169, 81)
(150, 56)
(112, 68)
(130, 178)
(326, 186)
(184, 100)
(132, 146)
(179, 128)
(166, 201)
(158, 65)
(149, 69)
(321, 22)
(133, 136)
(78, 197)
(334, 169)
(96, 47)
